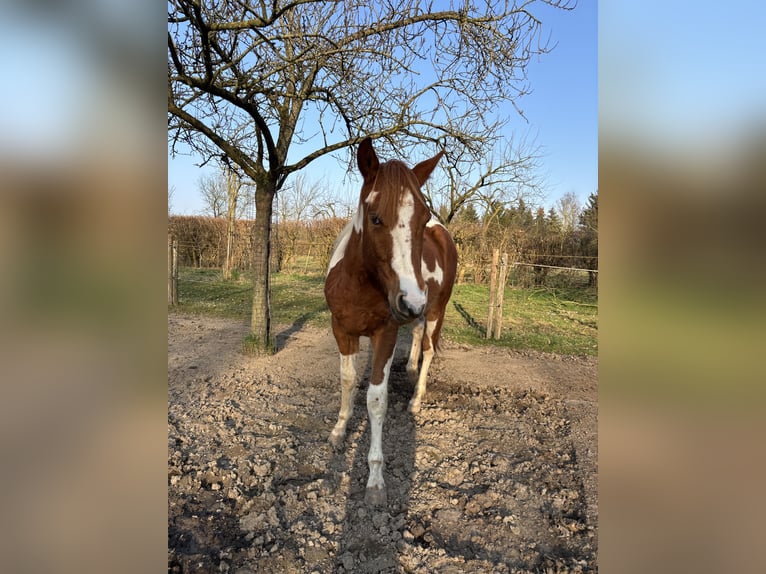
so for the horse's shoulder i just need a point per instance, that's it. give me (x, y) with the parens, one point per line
(437, 233)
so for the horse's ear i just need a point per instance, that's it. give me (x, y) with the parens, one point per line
(366, 159)
(424, 168)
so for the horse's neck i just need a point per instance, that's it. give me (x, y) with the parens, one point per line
(353, 261)
(352, 256)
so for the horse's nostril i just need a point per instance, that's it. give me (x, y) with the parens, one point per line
(405, 308)
(401, 304)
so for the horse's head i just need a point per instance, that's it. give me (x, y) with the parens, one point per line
(393, 215)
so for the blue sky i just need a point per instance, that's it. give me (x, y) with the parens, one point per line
(561, 112)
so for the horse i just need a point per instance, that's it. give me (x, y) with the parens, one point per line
(392, 264)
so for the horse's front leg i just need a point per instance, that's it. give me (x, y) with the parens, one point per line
(348, 390)
(383, 345)
(349, 349)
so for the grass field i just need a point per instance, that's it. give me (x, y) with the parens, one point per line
(559, 320)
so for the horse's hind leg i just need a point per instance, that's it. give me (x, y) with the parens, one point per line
(347, 396)
(428, 355)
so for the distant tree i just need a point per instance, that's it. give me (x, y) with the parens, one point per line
(233, 190)
(589, 241)
(589, 215)
(467, 213)
(213, 191)
(302, 200)
(568, 208)
(554, 222)
(216, 191)
(518, 216)
(171, 193)
(299, 202)
(506, 177)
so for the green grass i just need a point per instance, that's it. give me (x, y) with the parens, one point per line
(560, 320)
(203, 291)
(294, 298)
(299, 299)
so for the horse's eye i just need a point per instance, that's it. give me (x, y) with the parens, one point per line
(375, 219)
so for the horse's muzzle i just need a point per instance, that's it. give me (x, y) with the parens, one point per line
(408, 308)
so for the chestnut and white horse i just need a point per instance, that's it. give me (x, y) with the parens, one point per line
(392, 264)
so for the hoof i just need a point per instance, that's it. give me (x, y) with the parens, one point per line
(414, 406)
(375, 496)
(336, 441)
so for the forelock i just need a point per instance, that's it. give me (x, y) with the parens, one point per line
(394, 180)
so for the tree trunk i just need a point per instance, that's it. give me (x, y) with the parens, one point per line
(260, 323)
(232, 191)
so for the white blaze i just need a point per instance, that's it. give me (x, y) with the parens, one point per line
(357, 221)
(401, 260)
(371, 197)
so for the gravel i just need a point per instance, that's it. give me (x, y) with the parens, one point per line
(497, 473)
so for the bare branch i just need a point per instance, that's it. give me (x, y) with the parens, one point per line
(351, 65)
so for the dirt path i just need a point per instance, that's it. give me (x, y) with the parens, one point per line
(497, 473)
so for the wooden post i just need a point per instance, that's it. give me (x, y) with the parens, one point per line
(308, 258)
(227, 263)
(172, 271)
(232, 193)
(492, 293)
(175, 272)
(500, 292)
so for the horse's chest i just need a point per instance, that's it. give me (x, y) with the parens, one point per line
(358, 307)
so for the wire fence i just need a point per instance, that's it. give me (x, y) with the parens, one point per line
(556, 267)
(305, 247)
(307, 261)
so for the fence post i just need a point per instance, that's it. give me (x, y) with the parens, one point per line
(175, 272)
(172, 271)
(308, 258)
(500, 292)
(492, 294)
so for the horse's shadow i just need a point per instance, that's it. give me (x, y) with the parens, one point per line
(281, 338)
(372, 536)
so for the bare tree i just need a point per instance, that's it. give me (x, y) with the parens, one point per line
(503, 178)
(248, 81)
(216, 189)
(212, 188)
(568, 209)
(171, 193)
(301, 199)
(233, 188)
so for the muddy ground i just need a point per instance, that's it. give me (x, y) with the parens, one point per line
(497, 473)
